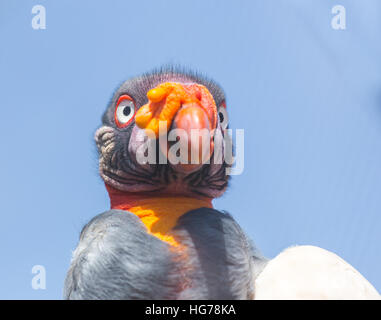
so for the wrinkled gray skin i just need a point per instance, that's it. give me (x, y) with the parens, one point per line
(117, 258)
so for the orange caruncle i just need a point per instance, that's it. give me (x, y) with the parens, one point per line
(167, 98)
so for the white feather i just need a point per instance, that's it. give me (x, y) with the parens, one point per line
(308, 272)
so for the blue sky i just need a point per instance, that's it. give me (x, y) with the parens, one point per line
(307, 96)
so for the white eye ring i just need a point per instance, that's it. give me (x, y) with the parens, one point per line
(223, 117)
(125, 111)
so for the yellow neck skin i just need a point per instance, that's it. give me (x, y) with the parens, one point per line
(158, 213)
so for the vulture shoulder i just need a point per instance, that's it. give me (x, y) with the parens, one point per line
(117, 259)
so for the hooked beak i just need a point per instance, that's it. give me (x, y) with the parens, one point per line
(189, 113)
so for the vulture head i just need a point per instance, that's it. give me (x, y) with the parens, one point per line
(163, 134)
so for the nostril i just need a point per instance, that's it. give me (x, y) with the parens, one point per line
(221, 116)
(198, 95)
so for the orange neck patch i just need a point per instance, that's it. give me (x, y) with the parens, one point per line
(158, 213)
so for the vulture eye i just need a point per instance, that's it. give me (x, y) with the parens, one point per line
(125, 111)
(223, 117)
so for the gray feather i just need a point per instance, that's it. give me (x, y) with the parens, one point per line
(223, 258)
(117, 259)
